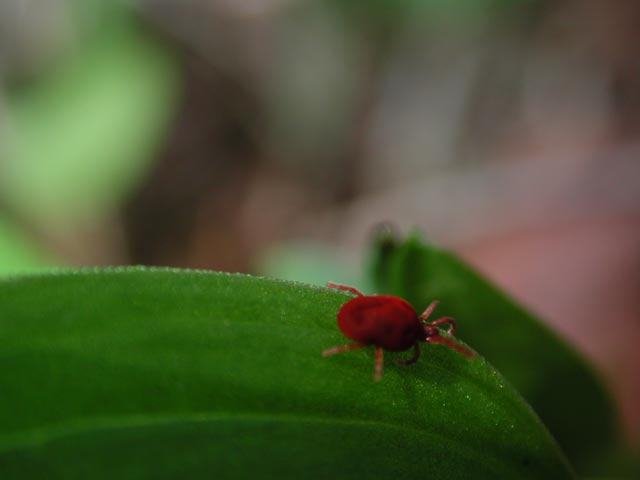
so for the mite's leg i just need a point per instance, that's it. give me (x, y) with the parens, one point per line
(451, 344)
(414, 359)
(345, 288)
(444, 321)
(379, 361)
(429, 310)
(342, 348)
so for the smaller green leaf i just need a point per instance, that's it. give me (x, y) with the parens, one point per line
(562, 388)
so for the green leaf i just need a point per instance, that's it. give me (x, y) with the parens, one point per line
(552, 377)
(137, 373)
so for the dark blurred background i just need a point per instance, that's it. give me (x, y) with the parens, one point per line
(270, 136)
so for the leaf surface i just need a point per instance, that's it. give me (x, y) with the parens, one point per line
(139, 373)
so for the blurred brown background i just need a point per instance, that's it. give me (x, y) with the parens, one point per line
(270, 136)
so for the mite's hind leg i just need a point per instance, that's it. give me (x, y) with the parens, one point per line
(345, 288)
(342, 348)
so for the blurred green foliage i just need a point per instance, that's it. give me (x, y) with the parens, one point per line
(83, 133)
(17, 253)
(461, 14)
(313, 264)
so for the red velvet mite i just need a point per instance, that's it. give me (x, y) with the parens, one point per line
(390, 323)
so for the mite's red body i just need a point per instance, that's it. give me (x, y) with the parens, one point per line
(389, 323)
(383, 320)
